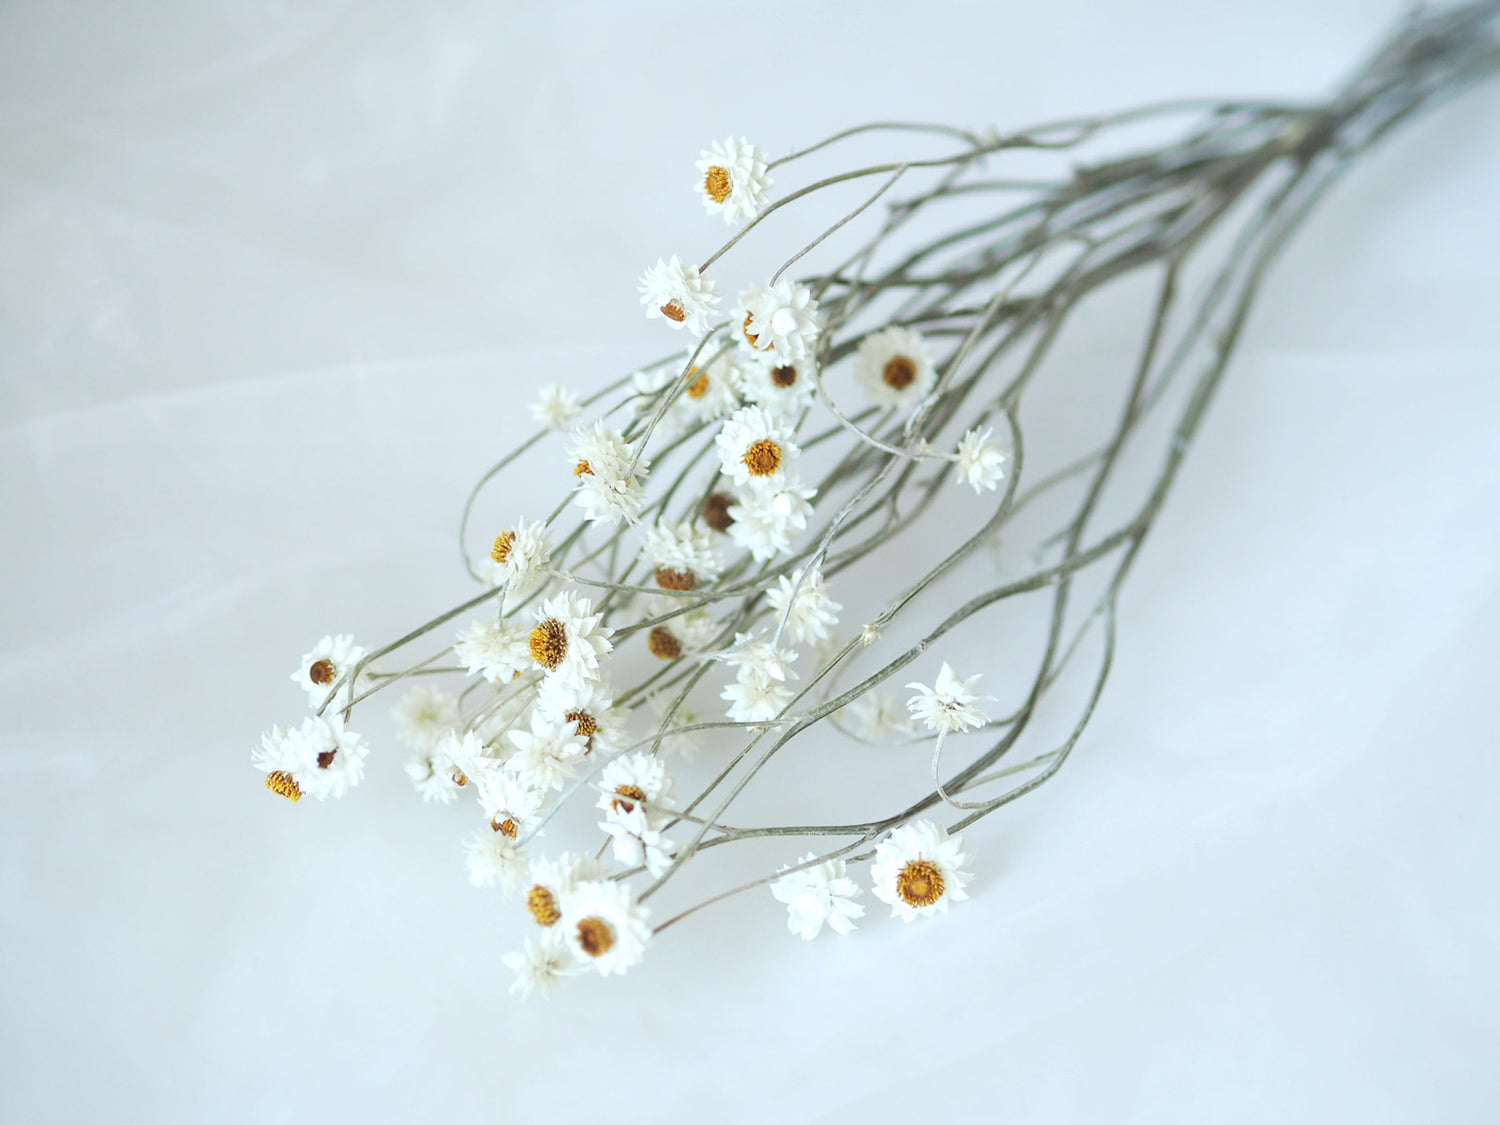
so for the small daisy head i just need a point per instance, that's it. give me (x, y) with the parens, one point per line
(894, 366)
(493, 649)
(780, 322)
(493, 860)
(818, 894)
(567, 639)
(603, 925)
(539, 965)
(682, 555)
(547, 754)
(782, 387)
(675, 292)
(949, 705)
(555, 406)
(918, 869)
(275, 757)
(980, 461)
(425, 714)
(755, 448)
(732, 180)
(812, 614)
(553, 880)
(635, 781)
(330, 759)
(330, 659)
(518, 558)
(608, 476)
(767, 518)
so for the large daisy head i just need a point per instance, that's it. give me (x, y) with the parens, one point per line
(604, 927)
(732, 179)
(919, 869)
(781, 320)
(894, 366)
(782, 387)
(568, 640)
(755, 447)
(330, 759)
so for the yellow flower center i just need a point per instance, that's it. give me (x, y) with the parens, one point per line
(899, 373)
(548, 643)
(633, 792)
(673, 310)
(750, 336)
(595, 936)
(322, 672)
(699, 386)
(716, 184)
(784, 376)
(669, 579)
(460, 778)
(662, 643)
(500, 550)
(920, 883)
(582, 469)
(762, 458)
(506, 827)
(587, 726)
(284, 784)
(543, 906)
(716, 511)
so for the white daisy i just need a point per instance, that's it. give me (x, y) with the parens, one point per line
(732, 179)
(894, 366)
(755, 697)
(713, 389)
(681, 554)
(635, 781)
(589, 706)
(782, 388)
(330, 759)
(780, 319)
(677, 293)
(539, 965)
(510, 803)
(755, 447)
(981, 461)
(330, 659)
(553, 880)
(555, 406)
(547, 755)
(425, 714)
(764, 520)
(636, 842)
(878, 717)
(812, 613)
(604, 927)
(817, 895)
(760, 656)
(495, 650)
(606, 487)
(276, 758)
(433, 777)
(567, 640)
(918, 868)
(493, 860)
(518, 559)
(948, 705)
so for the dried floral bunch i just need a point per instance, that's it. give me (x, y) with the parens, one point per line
(855, 436)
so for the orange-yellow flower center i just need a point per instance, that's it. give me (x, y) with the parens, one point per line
(673, 310)
(506, 827)
(662, 643)
(543, 905)
(322, 672)
(284, 784)
(669, 579)
(634, 793)
(548, 643)
(460, 778)
(500, 550)
(582, 469)
(716, 184)
(920, 883)
(750, 336)
(899, 373)
(595, 936)
(587, 727)
(784, 376)
(763, 457)
(716, 511)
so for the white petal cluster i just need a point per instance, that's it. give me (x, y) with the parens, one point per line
(330, 659)
(760, 690)
(948, 706)
(493, 649)
(493, 860)
(518, 559)
(635, 793)
(766, 519)
(556, 406)
(894, 367)
(918, 869)
(732, 180)
(547, 755)
(325, 758)
(781, 388)
(756, 448)
(879, 718)
(606, 486)
(568, 642)
(553, 880)
(781, 320)
(676, 292)
(589, 707)
(539, 965)
(433, 776)
(822, 894)
(682, 554)
(604, 926)
(425, 714)
(980, 460)
(813, 613)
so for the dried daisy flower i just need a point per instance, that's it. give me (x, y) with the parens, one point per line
(495, 650)
(275, 757)
(567, 641)
(635, 781)
(822, 894)
(980, 460)
(330, 759)
(588, 706)
(681, 555)
(732, 180)
(947, 706)
(755, 697)
(675, 292)
(432, 776)
(755, 447)
(604, 927)
(879, 718)
(894, 367)
(608, 476)
(918, 869)
(493, 860)
(330, 659)
(425, 714)
(556, 406)
(538, 965)
(636, 842)
(782, 388)
(812, 614)
(518, 559)
(553, 880)
(779, 320)
(763, 520)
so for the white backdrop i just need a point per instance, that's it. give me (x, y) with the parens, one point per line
(271, 277)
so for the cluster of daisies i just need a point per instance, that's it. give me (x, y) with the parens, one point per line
(538, 727)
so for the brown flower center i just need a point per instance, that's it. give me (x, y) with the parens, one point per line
(543, 905)
(582, 469)
(284, 784)
(920, 883)
(673, 310)
(662, 643)
(716, 184)
(587, 726)
(322, 672)
(506, 827)
(784, 376)
(595, 936)
(548, 643)
(716, 511)
(699, 386)
(669, 579)
(500, 550)
(460, 778)
(899, 373)
(763, 457)
(325, 759)
(634, 792)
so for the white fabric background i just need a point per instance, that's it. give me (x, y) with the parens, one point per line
(272, 278)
